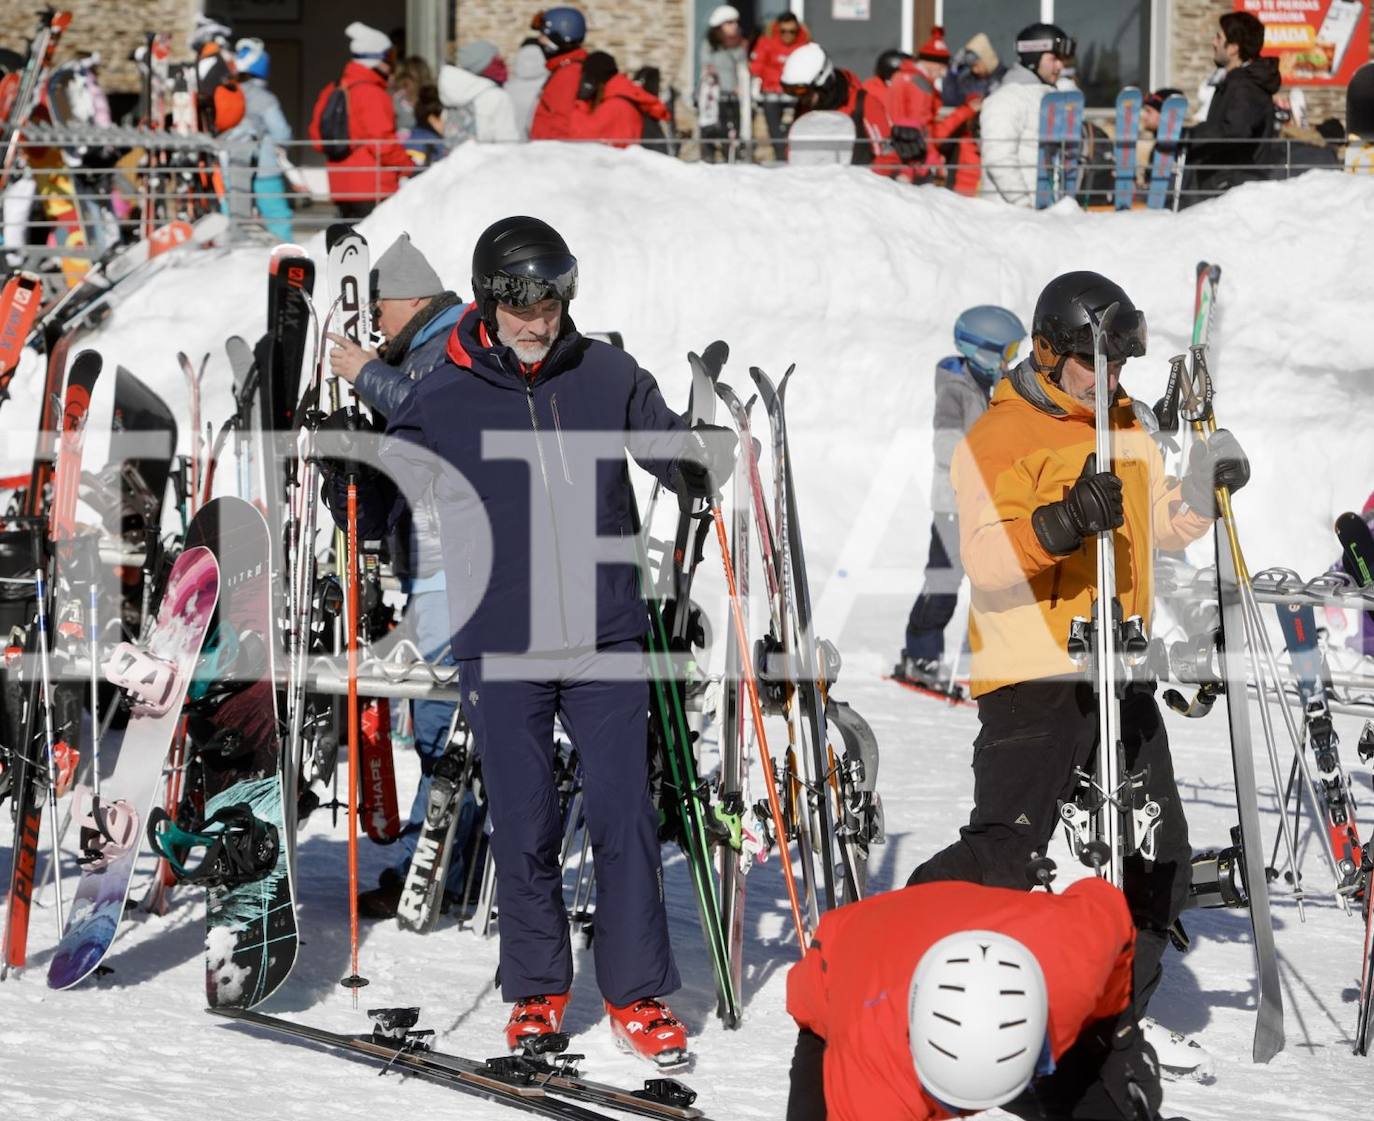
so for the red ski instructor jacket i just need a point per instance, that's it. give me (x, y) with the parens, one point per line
(851, 987)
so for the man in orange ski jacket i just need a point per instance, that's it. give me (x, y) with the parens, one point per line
(1031, 502)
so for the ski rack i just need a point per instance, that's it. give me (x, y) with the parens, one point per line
(1278, 586)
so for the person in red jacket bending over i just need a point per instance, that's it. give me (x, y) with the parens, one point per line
(562, 31)
(610, 107)
(816, 83)
(370, 171)
(914, 102)
(950, 998)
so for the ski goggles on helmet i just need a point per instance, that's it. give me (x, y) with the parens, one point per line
(1126, 337)
(1061, 46)
(526, 284)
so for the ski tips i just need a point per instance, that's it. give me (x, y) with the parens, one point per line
(716, 355)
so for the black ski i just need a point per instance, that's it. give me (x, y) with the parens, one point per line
(525, 1083)
(422, 896)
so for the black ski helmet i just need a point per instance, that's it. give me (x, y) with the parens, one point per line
(1043, 38)
(889, 62)
(520, 261)
(1064, 316)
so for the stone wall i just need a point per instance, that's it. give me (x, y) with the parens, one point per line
(113, 28)
(637, 32)
(1192, 25)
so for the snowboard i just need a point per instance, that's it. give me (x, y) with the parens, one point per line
(156, 676)
(250, 937)
(822, 137)
(1164, 160)
(1057, 164)
(1128, 105)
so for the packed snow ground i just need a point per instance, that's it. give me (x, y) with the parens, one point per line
(858, 281)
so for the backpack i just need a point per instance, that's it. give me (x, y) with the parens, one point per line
(334, 139)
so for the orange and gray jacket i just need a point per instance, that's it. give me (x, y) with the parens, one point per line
(1026, 451)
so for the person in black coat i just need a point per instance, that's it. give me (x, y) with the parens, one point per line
(1242, 109)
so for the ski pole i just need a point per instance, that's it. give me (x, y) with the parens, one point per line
(751, 687)
(353, 980)
(41, 622)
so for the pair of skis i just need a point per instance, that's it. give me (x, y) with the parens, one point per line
(546, 1085)
(1059, 162)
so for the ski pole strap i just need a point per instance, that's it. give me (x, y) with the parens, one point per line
(239, 848)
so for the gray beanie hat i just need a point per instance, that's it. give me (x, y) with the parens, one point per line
(402, 273)
(476, 56)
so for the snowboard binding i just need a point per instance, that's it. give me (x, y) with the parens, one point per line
(108, 830)
(239, 848)
(149, 683)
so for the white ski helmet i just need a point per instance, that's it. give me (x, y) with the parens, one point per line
(723, 14)
(808, 65)
(976, 1016)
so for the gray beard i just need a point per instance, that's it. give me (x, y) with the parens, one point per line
(529, 352)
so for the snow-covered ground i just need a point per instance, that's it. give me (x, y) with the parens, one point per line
(858, 281)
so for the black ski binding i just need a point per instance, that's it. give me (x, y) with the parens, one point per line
(550, 1043)
(394, 1027)
(666, 1091)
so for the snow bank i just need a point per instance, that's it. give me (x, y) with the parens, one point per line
(858, 281)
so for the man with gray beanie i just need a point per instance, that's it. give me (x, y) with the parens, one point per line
(415, 314)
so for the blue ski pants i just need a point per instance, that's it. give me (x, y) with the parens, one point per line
(607, 720)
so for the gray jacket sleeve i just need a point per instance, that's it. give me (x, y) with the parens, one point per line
(951, 422)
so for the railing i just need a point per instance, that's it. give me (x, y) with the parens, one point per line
(84, 201)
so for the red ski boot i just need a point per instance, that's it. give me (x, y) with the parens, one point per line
(648, 1028)
(534, 1015)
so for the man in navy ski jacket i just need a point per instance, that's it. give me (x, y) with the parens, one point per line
(521, 437)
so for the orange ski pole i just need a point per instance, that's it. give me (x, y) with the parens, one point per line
(751, 686)
(353, 980)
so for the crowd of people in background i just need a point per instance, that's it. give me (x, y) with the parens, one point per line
(966, 119)
(961, 117)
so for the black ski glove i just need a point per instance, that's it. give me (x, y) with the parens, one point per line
(1219, 462)
(708, 458)
(1093, 505)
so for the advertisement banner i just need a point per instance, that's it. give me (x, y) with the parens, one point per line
(849, 9)
(1316, 42)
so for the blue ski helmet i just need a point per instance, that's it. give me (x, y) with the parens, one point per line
(988, 337)
(565, 28)
(252, 58)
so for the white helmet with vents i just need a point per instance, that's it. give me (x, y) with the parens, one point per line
(976, 1014)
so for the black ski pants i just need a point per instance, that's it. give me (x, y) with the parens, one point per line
(1035, 735)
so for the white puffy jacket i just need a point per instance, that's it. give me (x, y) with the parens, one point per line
(1010, 127)
(486, 104)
